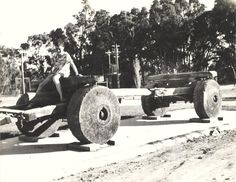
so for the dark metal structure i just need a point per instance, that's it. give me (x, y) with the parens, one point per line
(92, 111)
(201, 88)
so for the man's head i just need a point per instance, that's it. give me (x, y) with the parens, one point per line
(60, 45)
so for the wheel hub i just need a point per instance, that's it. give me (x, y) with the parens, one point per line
(103, 115)
(215, 98)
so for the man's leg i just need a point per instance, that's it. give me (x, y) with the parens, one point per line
(56, 81)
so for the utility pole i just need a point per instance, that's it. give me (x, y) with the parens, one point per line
(24, 47)
(109, 58)
(22, 73)
(115, 51)
(109, 69)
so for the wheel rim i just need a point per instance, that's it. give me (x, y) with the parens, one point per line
(212, 97)
(149, 107)
(207, 99)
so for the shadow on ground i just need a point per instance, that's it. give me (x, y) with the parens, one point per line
(32, 149)
(142, 122)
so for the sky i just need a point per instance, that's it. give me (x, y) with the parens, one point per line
(22, 18)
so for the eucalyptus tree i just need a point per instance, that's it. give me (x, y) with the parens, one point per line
(9, 69)
(37, 56)
(101, 37)
(84, 24)
(101, 40)
(72, 41)
(213, 37)
(224, 22)
(171, 24)
(203, 42)
(122, 27)
(142, 39)
(129, 30)
(166, 33)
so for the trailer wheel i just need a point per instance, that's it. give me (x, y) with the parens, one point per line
(150, 108)
(207, 98)
(93, 114)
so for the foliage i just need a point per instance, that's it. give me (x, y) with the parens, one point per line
(213, 38)
(9, 69)
(171, 36)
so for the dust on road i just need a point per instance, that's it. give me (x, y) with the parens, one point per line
(205, 159)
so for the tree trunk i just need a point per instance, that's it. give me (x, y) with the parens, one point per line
(234, 72)
(142, 71)
(136, 76)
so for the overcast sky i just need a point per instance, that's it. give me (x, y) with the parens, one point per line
(21, 18)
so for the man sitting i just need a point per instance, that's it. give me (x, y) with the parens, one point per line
(61, 68)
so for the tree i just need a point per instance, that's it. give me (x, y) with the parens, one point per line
(100, 41)
(213, 37)
(166, 32)
(172, 34)
(85, 24)
(203, 42)
(123, 28)
(9, 69)
(72, 43)
(38, 56)
(224, 22)
(141, 40)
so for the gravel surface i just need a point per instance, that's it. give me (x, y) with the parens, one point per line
(205, 159)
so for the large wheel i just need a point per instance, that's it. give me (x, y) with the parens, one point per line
(150, 106)
(207, 98)
(93, 114)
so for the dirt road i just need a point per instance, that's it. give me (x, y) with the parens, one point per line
(135, 156)
(205, 159)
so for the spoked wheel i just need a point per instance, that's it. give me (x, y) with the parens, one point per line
(207, 98)
(150, 106)
(40, 128)
(93, 114)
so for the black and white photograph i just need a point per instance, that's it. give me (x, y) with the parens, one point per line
(117, 90)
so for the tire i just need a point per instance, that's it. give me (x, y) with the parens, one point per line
(93, 114)
(150, 108)
(207, 98)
